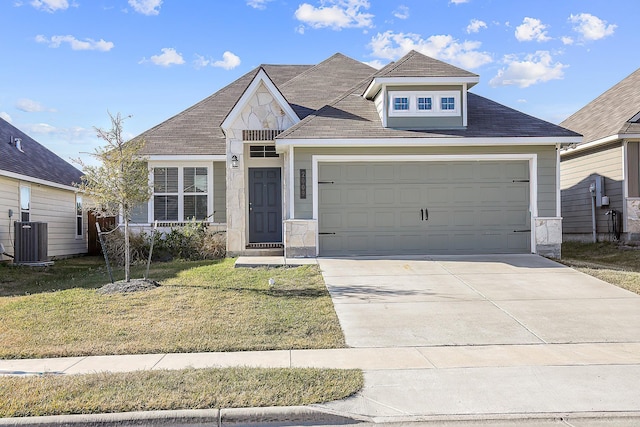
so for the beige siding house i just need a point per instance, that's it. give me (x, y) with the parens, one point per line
(37, 186)
(340, 159)
(600, 177)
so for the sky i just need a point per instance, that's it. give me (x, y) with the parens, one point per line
(67, 64)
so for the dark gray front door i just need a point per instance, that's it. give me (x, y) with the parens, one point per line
(265, 205)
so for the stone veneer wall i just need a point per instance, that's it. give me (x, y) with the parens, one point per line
(633, 219)
(548, 237)
(262, 111)
(300, 238)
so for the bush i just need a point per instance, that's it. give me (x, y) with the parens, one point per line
(193, 241)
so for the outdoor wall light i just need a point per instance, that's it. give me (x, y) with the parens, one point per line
(234, 161)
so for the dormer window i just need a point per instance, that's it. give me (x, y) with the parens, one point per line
(424, 103)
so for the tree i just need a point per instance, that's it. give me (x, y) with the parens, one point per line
(120, 182)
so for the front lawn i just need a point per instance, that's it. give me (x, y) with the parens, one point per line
(201, 306)
(166, 390)
(606, 261)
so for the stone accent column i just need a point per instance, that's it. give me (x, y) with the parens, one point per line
(300, 238)
(236, 206)
(548, 237)
(633, 219)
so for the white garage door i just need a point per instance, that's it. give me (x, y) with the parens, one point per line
(399, 208)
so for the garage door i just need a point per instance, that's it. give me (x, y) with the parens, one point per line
(399, 208)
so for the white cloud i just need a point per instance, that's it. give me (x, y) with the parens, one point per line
(86, 44)
(531, 29)
(591, 27)
(258, 4)
(475, 25)
(376, 63)
(168, 57)
(336, 14)
(6, 116)
(521, 101)
(146, 7)
(390, 45)
(534, 68)
(402, 12)
(566, 40)
(31, 106)
(229, 61)
(50, 5)
(458, 1)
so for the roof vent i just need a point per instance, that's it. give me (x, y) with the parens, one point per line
(18, 143)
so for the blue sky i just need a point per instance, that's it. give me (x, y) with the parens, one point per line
(66, 63)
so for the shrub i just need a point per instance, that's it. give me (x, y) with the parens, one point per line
(139, 245)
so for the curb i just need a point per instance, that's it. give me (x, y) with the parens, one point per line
(237, 417)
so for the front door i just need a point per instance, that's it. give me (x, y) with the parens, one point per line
(265, 205)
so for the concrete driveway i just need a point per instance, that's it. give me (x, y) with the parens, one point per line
(475, 300)
(503, 336)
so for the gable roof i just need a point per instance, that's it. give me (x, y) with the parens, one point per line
(197, 130)
(36, 161)
(611, 113)
(415, 64)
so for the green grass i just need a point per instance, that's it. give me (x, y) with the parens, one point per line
(606, 261)
(166, 390)
(201, 306)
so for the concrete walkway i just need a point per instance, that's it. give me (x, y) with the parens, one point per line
(508, 340)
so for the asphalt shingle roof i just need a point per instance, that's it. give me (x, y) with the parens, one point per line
(610, 113)
(36, 162)
(328, 98)
(415, 64)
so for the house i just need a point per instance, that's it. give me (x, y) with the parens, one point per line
(37, 186)
(341, 159)
(607, 161)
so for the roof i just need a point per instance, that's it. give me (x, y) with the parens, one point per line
(353, 117)
(611, 113)
(36, 161)
(196, 130)
(415, 64)
(328, 98)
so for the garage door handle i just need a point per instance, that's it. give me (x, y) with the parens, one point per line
(421, 214)
(426, 214)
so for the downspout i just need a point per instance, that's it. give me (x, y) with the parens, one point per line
(592, 190)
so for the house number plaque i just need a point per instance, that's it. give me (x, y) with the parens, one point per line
(303, 183)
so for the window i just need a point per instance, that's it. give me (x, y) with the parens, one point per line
(263, 151)
(447, 103)
(180, 193)
(401, 103)
(25, 203)
(79, 223)
(424, 103)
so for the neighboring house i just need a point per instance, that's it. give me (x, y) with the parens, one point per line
(36, 185)
(341, 159)
(608, 160)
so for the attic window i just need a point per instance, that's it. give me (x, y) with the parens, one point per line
(424, 103)
(263, 151)
(635, 119)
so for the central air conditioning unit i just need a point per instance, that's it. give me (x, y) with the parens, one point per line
(31, 243)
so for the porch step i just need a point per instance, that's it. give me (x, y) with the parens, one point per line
(255, 252)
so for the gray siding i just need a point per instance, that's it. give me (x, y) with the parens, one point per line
(422, 122)
(220, 192)
(546, 169)
(577, 172)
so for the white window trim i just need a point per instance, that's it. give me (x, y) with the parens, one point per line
(436, 103)
(28, 187)
(81, 216)
(531, 158)
(181, 193)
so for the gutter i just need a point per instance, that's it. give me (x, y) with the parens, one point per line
(598, 142)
